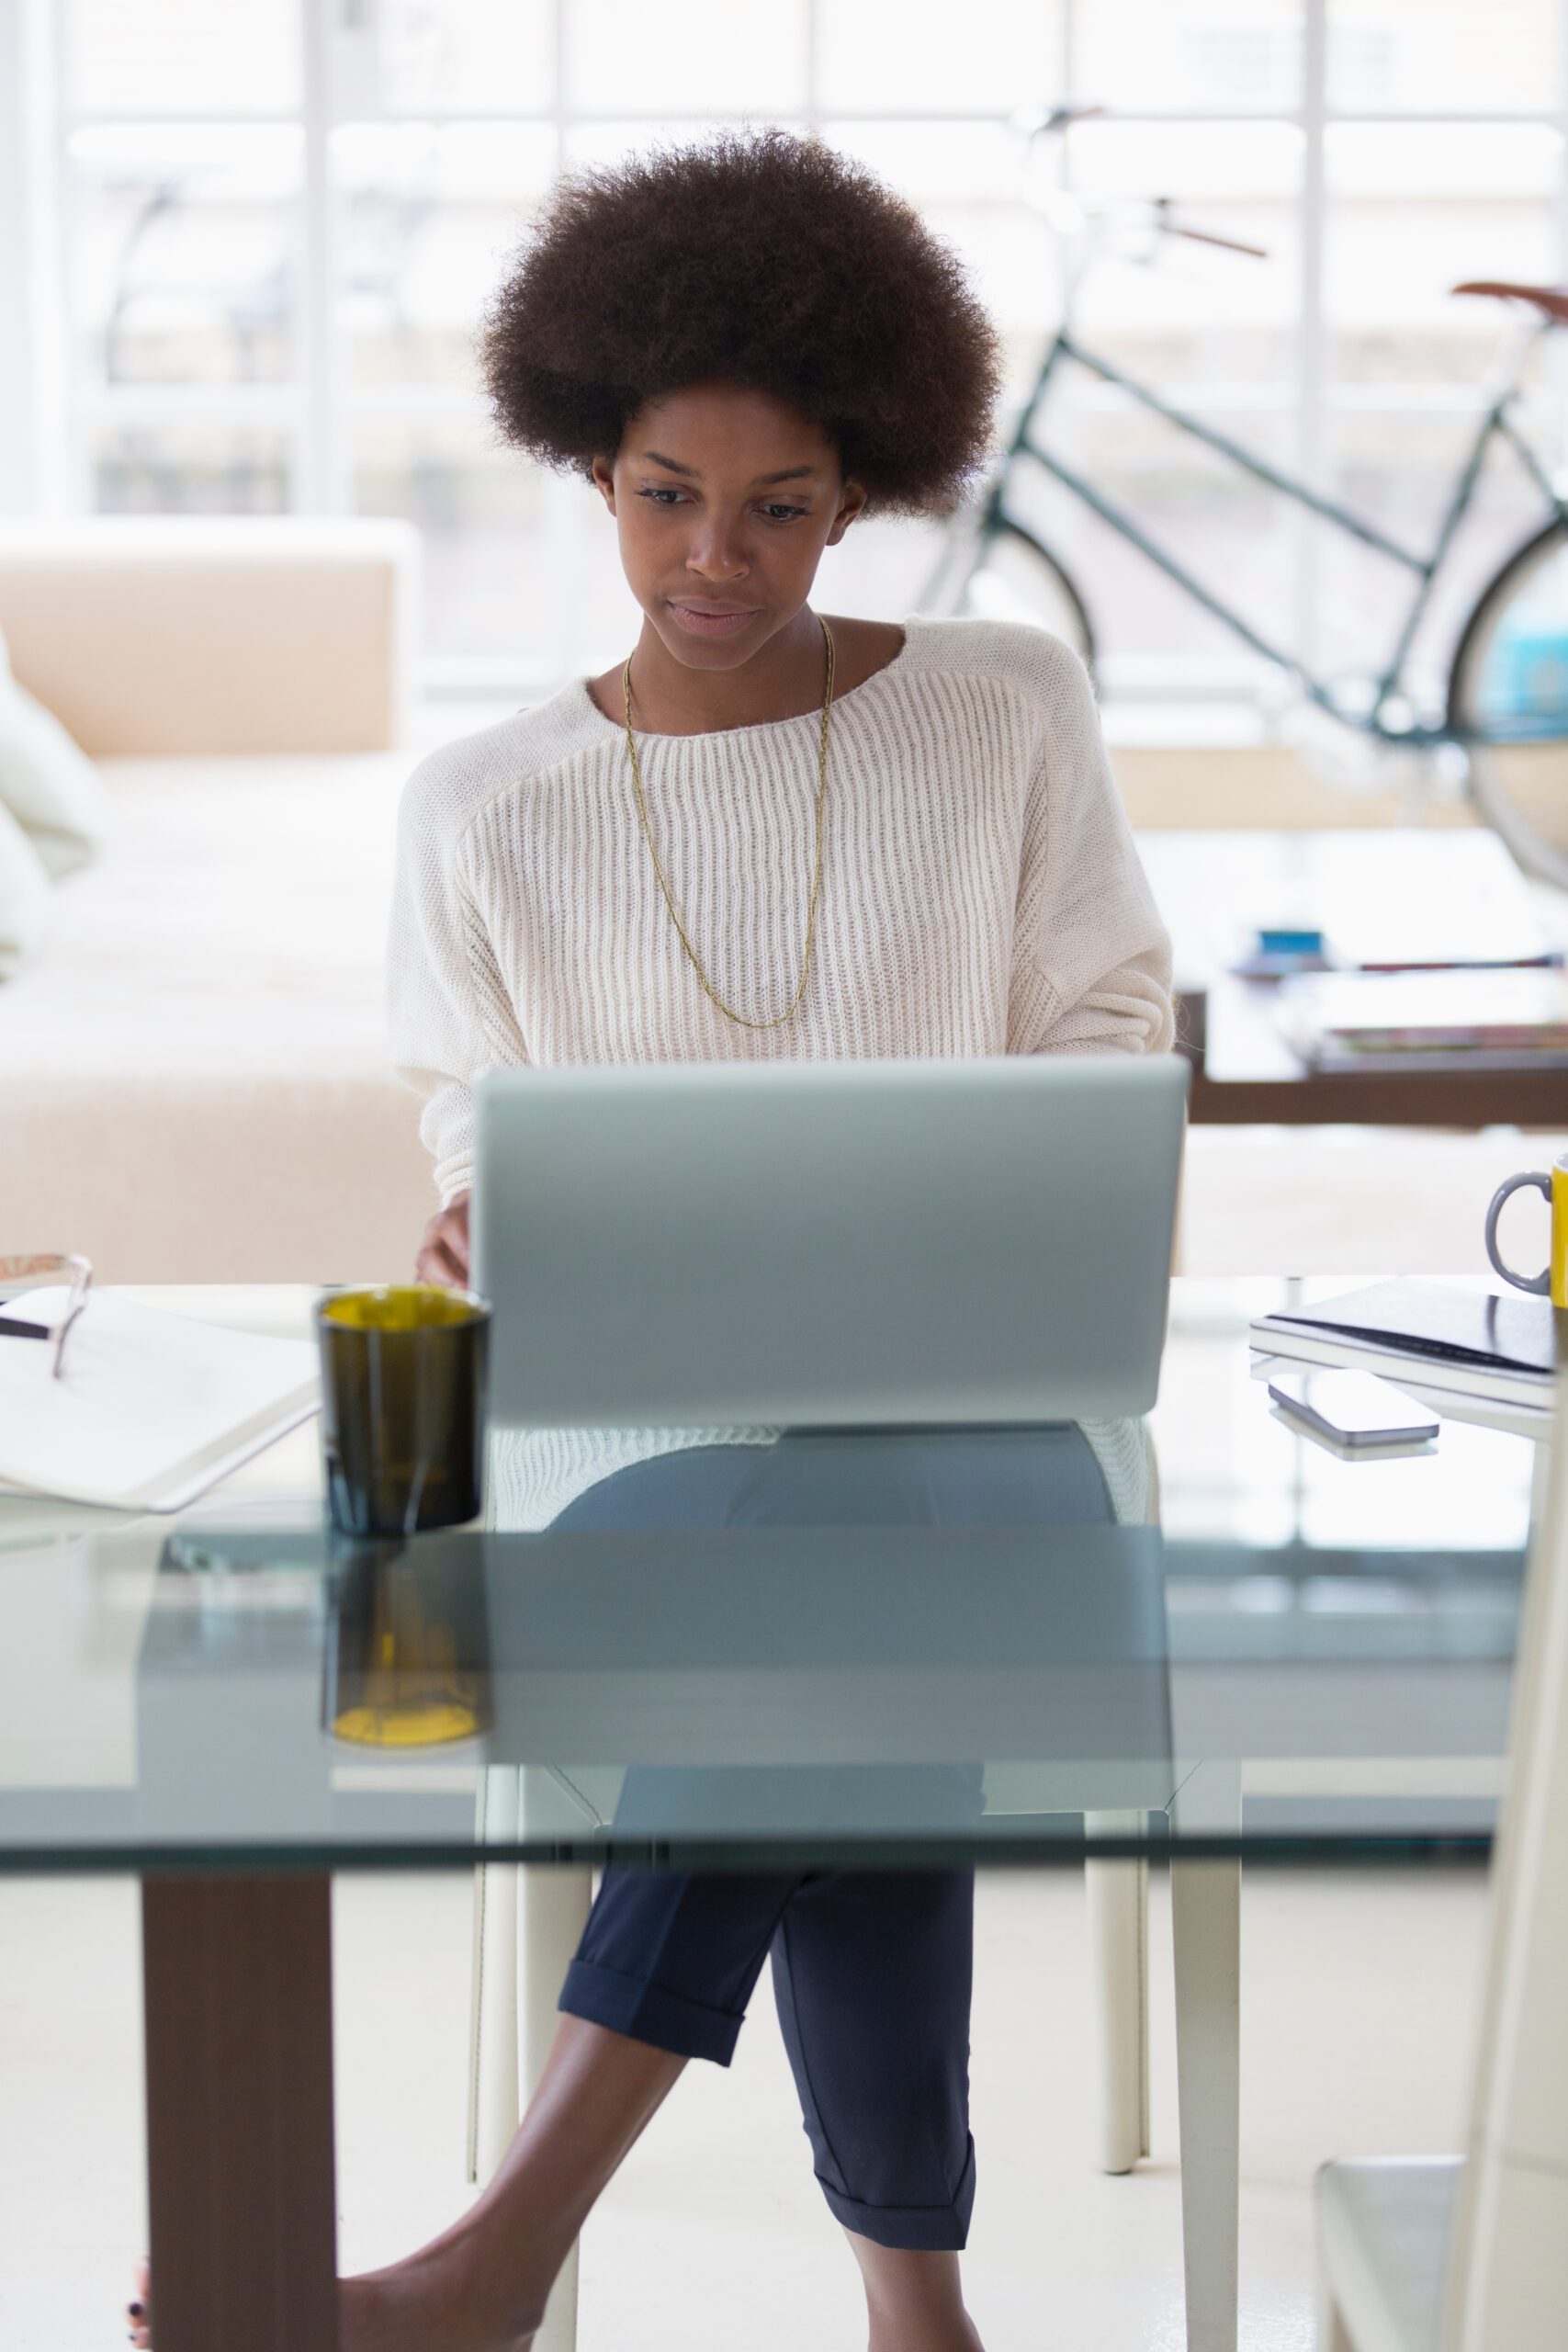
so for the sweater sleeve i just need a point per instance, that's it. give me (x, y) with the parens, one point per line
(449, 1015)
(1091, 967)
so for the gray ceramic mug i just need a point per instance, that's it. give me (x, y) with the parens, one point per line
(1553, 1282)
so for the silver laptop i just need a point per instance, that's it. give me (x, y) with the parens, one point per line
(828, 1244)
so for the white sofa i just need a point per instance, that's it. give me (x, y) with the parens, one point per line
(195, 1065)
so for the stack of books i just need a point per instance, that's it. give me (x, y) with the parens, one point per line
(1431, 1020)
(1428, 1337)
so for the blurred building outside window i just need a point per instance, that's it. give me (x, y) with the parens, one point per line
(280, 228)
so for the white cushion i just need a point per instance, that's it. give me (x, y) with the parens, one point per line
(149, 635)
(1383, 2231)
(47, 784)
(196, 1074)
(24, 895)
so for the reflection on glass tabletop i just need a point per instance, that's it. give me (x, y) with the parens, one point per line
(1309, 1657)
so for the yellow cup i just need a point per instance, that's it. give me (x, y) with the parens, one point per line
(1553, 1282)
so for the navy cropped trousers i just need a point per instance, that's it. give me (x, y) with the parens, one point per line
(871, 1969)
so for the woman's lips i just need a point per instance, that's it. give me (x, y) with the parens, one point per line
(703, 624)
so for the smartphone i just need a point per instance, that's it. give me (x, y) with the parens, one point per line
(1351, 1409)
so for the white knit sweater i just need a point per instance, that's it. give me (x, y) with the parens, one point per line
(980, 894)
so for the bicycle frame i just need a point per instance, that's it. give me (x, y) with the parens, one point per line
(1379, 720)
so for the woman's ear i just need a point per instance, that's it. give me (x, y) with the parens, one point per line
(852, 498)
(605, 481)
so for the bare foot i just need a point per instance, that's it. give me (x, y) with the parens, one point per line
(436, 2296)
(138, 2310)
(441, 2293)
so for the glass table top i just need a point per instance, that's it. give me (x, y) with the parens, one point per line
(1310, 1658)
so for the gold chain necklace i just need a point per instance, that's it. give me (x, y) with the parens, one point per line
(708, 987)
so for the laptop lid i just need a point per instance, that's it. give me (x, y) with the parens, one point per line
(826, 1244)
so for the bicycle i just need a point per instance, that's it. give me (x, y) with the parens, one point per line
(1505, 712)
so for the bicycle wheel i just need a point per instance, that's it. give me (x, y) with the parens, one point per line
(1508, 702)
(1015, 579)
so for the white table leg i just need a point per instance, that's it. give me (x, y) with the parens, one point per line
(1117, 1897)
(1332, 2336)
(1206, 1928)
(493, 2106)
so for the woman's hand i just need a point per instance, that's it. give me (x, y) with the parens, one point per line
(444, 1252)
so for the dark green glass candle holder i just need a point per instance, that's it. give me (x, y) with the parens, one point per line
(403, 1387)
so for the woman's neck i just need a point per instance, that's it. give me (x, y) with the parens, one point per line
(783, 678)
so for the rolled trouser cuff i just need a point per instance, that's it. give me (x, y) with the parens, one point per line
(927, 2228)
(647, 2013)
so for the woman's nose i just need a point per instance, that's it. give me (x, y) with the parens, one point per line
(716, 551)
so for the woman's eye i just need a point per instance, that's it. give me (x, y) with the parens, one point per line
(658, 493)
(782, 513)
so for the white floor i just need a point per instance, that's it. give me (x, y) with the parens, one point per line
(1358, 1995)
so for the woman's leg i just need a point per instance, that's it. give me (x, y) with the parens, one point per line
(481, 2285)
(914, 2302)
(679, 1955)
(872, 1972)
(872, 1977)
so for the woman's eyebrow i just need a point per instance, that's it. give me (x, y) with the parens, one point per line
(674, 466)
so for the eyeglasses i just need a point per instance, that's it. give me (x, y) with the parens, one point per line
(28, 1273)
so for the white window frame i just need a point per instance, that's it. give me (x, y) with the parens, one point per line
(45, 415)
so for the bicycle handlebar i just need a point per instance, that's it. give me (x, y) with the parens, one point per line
(1207, 237)
(1047, 120)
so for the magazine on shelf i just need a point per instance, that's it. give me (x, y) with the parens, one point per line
(1471, 1020)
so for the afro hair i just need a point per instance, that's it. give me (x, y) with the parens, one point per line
(767, 259)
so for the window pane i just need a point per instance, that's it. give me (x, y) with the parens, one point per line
(191, 467)
(1001, 54)
(1177, 311)
(1412, 56)
(1414, 209)
(431, 214)
(709, 56)
(952, 162)
(182, 251)
(163, 57)
(490, 587)
(497, 56)
(612, 142)
(966, 180)
(1233, 55)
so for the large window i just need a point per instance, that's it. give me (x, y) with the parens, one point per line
(278, 226)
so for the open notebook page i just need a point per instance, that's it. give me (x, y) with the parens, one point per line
(151, 1408)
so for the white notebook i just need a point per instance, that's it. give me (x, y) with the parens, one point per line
(151, 1409)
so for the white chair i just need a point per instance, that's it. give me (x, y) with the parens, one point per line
(527, 1923)
(1471, 2253)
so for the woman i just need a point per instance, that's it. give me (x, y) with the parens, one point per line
(766, 833)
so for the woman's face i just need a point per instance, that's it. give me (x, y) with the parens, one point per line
(723, 499)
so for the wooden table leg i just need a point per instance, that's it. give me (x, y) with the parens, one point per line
(237, 1990)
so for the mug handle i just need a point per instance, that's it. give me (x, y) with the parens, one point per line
(1541, 1284)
